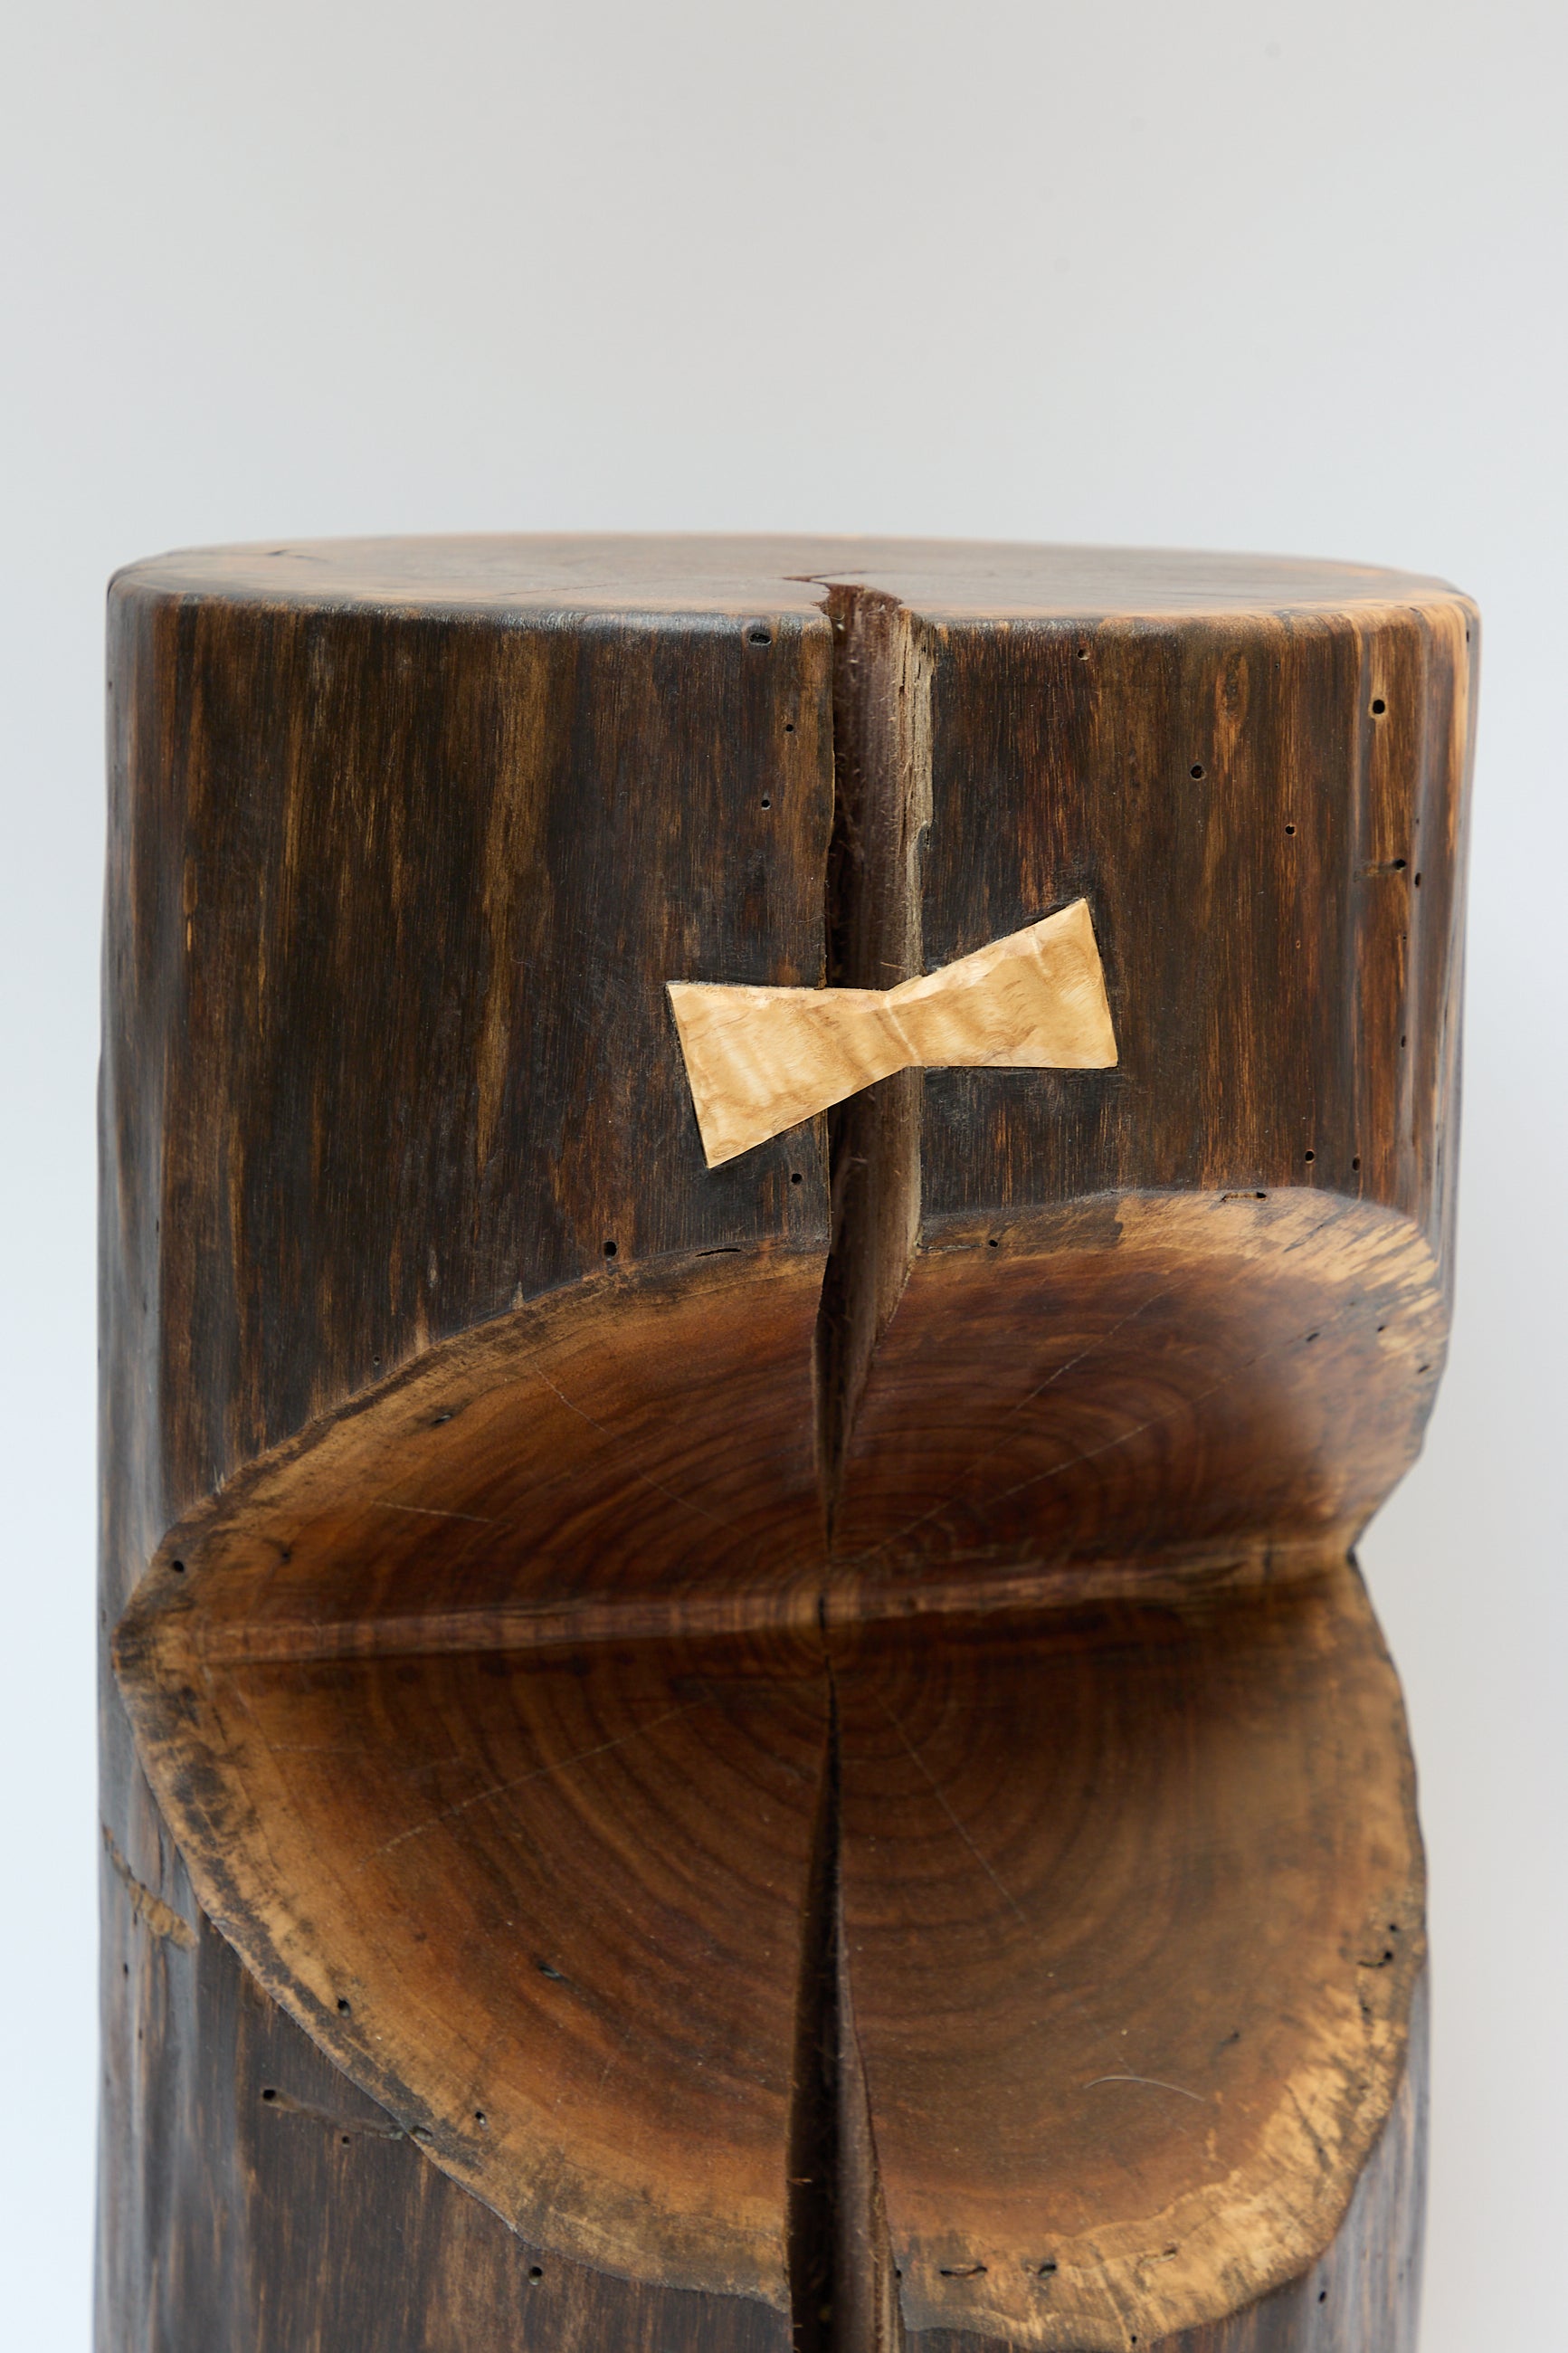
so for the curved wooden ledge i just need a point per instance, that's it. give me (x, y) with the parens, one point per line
(1129, 1395)
(537, 1752)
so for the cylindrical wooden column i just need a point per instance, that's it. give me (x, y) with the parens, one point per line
(737, 1712)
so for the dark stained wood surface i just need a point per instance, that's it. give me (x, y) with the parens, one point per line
(371, 1072)
(1266, 818)
(481, 1418)
(389, 893)
(261, 2201)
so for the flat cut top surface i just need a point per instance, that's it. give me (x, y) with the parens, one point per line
(728, 577)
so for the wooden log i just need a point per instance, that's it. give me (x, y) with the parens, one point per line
(787, 1753)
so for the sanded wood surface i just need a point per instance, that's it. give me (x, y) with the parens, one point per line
(547, 1907)
(757, 577)
(721, 1697)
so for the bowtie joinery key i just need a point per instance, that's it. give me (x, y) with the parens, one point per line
(762, 1060)
(771, 1212)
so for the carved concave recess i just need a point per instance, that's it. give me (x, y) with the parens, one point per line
(868, 1786)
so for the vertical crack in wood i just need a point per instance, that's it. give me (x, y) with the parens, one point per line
(881, 763)
(843, 2285)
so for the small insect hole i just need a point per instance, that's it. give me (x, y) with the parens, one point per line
(766, 802)
(610, 1249)
(268, 2093)
(1312, 1335)
(1083, 653)
(178, 1566)
(1310, 1155)
(758, 634)
(1044, 2271)
(1197, 768)
(1289, 829)
(1418, 881)
(344, 2008)
(1378, 706)
(480, 2118)
(1323, 2296)
(536, 2271)
(1356, 1161)
(789, 726)
(993, 1242)
(796, 1178)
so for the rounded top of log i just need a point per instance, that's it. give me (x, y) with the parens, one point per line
(737, 576)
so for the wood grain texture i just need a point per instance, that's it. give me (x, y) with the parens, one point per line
(1223, 1383)
(1364, 2290)
(1270, 816)
(1169, 1391)
(309, 2220)
(1168, 1896)
(546, 1904)
(685, 1654)
(758, 577)
(372, 1072)
(762, 1061)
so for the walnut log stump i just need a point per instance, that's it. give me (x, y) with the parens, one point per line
(787, 1754)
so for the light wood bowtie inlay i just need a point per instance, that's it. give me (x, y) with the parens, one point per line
(763, 1059)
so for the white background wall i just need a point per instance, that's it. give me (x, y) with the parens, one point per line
(1226, 272)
